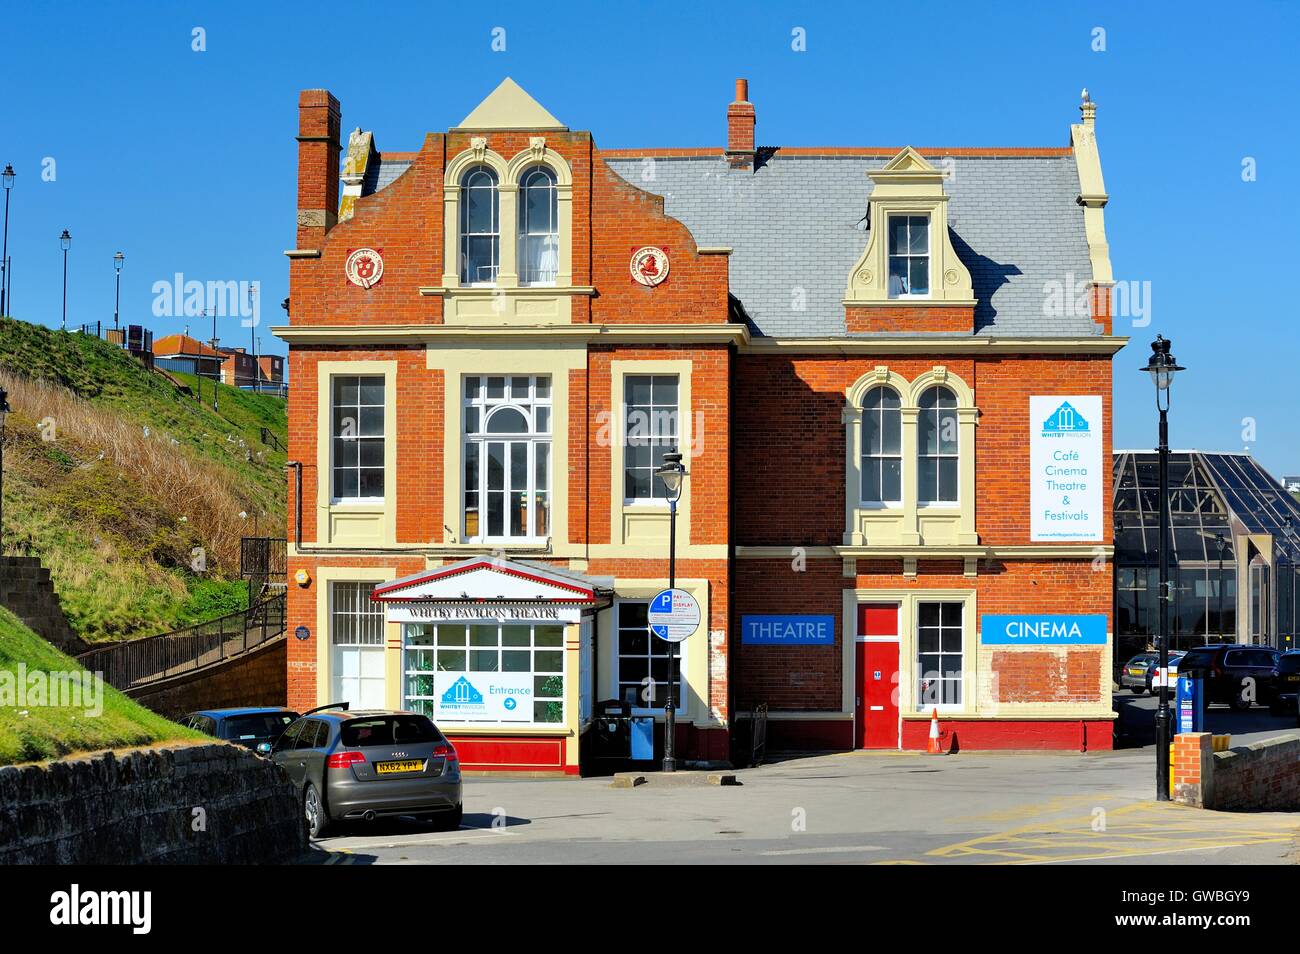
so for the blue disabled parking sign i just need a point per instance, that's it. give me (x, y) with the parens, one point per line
(674, 615)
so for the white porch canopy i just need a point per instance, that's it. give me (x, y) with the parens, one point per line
(491, 588)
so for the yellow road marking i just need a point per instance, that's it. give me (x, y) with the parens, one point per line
(1143, 828)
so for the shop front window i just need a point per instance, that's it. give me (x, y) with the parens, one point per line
(435, 656)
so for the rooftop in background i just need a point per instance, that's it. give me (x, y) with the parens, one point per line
(173, 345)
(1209, 493)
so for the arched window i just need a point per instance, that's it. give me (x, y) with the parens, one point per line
(480, 233)
(936, 447)
(539, 228)
(507, 458)
(882, 447)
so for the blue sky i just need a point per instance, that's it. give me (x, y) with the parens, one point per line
(184, 160)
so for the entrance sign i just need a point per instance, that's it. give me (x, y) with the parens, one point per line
(483, 696)
(787, 630)
(674, 615)
(1065, 468)
(1036, 629)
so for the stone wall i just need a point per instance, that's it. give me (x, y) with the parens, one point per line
(192, 804)
(27, 592)
(1264, 777)
(255, 678)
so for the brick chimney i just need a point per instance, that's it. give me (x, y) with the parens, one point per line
(319, 122)
(740, 128)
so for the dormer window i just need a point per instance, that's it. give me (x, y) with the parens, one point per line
(539, 228)
(480, 250)
(909, 256)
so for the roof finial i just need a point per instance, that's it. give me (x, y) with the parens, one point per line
(1088, 108)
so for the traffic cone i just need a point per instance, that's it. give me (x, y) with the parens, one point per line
(933, 747)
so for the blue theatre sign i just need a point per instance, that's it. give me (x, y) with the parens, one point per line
(1036, 629)
(787, 630)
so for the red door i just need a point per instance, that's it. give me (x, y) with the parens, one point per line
(877, 676)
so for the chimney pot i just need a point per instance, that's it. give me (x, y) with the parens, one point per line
(740, 128)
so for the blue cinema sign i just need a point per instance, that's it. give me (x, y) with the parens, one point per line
(787, 630)
(1035, 629)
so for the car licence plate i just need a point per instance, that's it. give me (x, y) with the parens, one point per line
(1136, 672)
(1294, 677)
(396, 768)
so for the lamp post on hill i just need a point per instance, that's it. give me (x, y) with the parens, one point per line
(65, 243)
(1162, 367)
(118, 260)
(7, 180)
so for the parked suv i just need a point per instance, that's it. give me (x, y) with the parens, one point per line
(249, 727)
(369, 764)
(1228, 671)
(1286, 685)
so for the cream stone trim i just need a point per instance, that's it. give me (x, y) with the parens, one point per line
(1092, 194)
(362, 524)
(881, 345)
(693, 653)
(325, 576)
(302, 252)
(442, 335)
(509, 107)
(908, 185)
(644, 526)
(459, 362)
(714, 250)
(908, 524)
(907, 601)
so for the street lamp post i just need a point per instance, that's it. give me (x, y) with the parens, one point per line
(6, 179)
(671, 472)
(65, 243)
(1162, 369)
(4, 409)
(118, 260)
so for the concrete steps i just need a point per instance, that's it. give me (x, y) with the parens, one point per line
(26, 591)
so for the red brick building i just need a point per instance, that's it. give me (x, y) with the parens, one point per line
(871, 359)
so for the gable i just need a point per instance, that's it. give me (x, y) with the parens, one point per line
(509, 107)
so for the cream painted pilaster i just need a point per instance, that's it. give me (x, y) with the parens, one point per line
(508, 264)
(909, 533)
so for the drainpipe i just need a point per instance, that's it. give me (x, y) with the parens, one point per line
(297, 503)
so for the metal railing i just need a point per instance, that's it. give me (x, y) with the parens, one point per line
(758, 735)
(140, 661)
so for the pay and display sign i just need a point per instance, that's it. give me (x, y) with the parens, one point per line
(674, 615)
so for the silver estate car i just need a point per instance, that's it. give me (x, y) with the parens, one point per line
(363, 765)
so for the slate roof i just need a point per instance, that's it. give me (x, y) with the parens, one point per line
(382, 173)
(796, 223)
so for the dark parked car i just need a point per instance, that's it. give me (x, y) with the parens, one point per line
(249, 727)
(1286, 685)
(1234, 675)
(370, 764)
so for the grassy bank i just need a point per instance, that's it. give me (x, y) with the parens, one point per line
(31, 732)
(134, 494)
